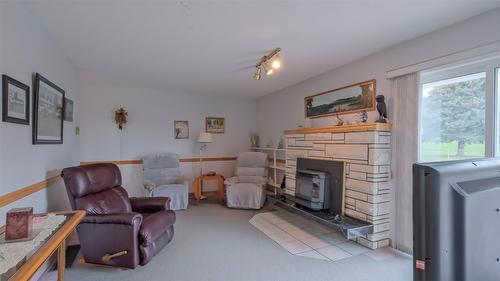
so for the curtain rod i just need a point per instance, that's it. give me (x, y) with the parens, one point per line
(487, 49)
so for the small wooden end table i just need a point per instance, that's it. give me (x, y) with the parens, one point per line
(198, 186)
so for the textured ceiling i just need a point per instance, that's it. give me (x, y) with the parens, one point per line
(210, 47)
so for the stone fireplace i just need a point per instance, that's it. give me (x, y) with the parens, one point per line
(366, 151)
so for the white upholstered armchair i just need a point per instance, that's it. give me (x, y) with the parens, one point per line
(162, 177)
(246, 189)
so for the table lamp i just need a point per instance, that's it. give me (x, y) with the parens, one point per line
(203, 138)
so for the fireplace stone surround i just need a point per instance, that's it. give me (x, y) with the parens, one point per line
(366, 151)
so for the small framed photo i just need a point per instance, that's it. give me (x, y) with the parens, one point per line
(215, 125)
(68, 110)
(181, 129)
(48, 112)
(15, 101)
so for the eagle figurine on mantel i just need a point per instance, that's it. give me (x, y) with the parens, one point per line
(382, 109)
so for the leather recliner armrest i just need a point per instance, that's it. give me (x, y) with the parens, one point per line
(155, 225)
(150, 204)
(123, 218)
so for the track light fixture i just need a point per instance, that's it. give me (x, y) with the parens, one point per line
(269, 63)
(267, 69)
(257, 75)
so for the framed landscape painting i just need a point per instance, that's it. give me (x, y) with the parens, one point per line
(15, 101)
(215, 125)
(48, 112)
(349, 99)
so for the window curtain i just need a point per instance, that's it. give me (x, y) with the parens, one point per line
(405, 93)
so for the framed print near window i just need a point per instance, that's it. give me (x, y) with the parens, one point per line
(215, 125)
(15, 101)
(181, 129)
(68, 110)
(48, 112)
(349, 99)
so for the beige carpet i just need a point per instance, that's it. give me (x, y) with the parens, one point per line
(215, 243)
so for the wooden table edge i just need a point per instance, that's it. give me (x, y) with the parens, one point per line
(197, 183)
(30, 267)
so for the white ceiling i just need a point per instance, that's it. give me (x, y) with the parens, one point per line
(201, 47)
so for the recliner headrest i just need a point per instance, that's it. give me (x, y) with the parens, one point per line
(94, 178)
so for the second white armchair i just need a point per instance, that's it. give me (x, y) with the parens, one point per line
(246, 189)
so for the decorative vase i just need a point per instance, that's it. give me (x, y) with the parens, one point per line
(254, 141)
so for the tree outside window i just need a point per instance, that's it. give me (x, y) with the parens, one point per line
(453, 118)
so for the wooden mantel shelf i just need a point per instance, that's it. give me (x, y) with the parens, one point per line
(342, 129)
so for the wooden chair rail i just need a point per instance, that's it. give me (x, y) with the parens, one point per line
(30, 189)
(182, 160)
(25, 191)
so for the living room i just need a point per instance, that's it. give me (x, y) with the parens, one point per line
(221, 140)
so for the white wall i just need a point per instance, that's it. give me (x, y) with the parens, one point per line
(25, 49)
(285, 109)
(151, 116)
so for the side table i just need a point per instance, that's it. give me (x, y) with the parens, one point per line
(198, 186)
(56, 242)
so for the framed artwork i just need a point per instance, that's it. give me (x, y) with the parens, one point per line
(48, 112)
(215, 125)
(68, 110)
(348, 99)
(15, 101)
(181, 129)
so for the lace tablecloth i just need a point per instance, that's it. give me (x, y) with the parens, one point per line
(11, 254)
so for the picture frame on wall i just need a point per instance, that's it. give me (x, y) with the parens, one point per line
(215, 125)
(15, 101)
(48, 112)
(181, 129)
(68, 109)
(349, 99)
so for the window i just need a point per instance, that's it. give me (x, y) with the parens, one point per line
(497, 134)
(452, 118)
(459, 115)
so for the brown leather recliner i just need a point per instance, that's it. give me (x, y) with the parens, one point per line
(118, 230)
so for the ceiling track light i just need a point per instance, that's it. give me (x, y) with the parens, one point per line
(268, 63)
(268, 70)
(257, 75)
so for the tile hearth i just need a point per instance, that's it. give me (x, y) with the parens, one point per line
(306, 238)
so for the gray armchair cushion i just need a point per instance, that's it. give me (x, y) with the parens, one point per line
(162, 177)
(245, 196)
(246, 189)
(251, 171)
(231, 180)
(253, 179)
(160, 161)
(252, 164)
(252, 159)
(162, 168)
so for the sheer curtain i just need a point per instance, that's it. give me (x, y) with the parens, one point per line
(405, 92)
